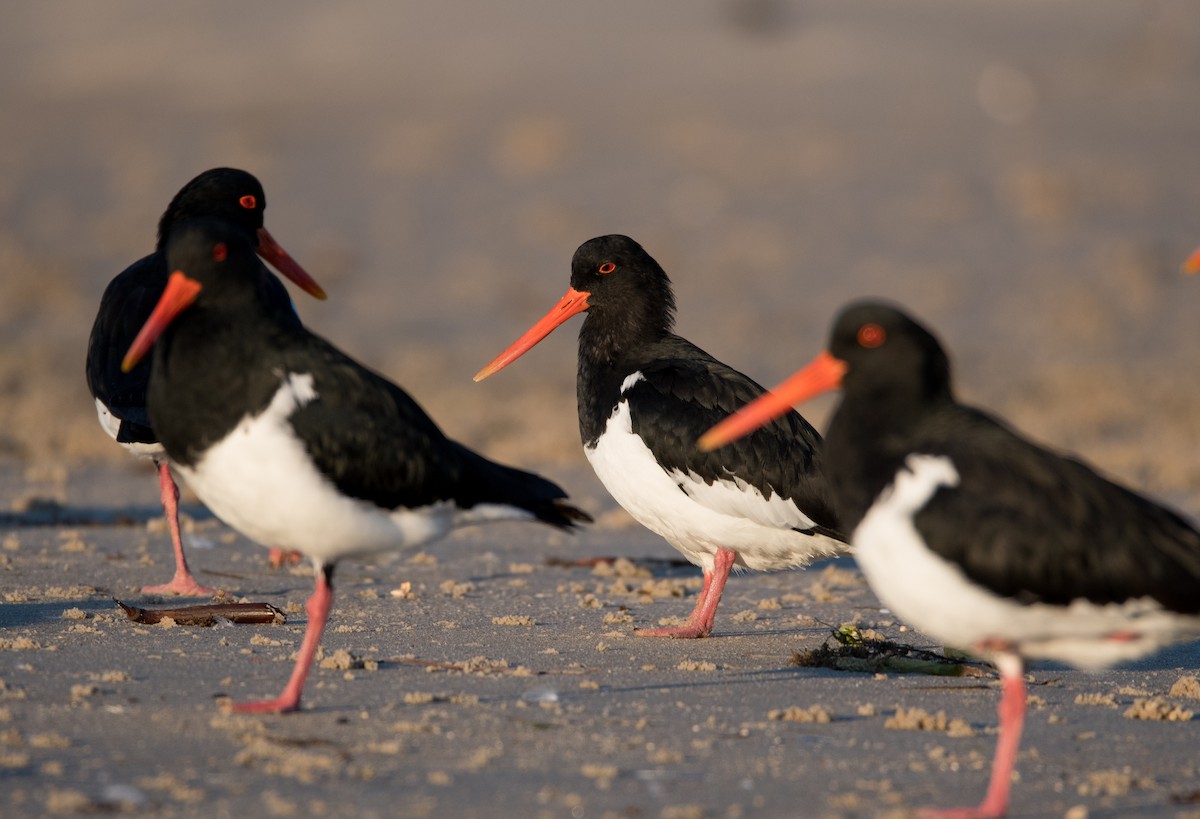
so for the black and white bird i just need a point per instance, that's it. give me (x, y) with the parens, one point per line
(231, 196)
(977, 536)
(645, 395)
(293, 443)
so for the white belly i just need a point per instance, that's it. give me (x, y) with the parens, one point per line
(934, 595)
(698, 518)
(260, 481)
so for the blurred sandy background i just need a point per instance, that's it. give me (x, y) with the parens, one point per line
(1023, 175)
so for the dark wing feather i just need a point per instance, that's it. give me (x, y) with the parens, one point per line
(684, 392)
(377, 444)
(1031, 524)
(126, 304)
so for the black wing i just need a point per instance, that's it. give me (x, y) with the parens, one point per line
(126, 304)
(377, 444)
(1031, 524)
(684, 392)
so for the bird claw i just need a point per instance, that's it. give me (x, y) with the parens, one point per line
(184, 586)
(684, 632)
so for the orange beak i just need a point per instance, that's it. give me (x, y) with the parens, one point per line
(824, 373)
(177, 297)
(1192, 265)
(573, 302)
(270, 250)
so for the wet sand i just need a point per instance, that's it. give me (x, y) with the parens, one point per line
(1017, 174)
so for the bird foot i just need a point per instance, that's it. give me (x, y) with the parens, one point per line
(280, 705)
(184, 585)
(980, 812)
(688, 631)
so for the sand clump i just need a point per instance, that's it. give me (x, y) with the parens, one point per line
(513, 620)
(1187, 686)
(1159, 709)
(794, 713)
(918, 719)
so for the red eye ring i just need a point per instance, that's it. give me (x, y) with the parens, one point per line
(220, 252)
(249, 201)
(871, 336)
(606, 268)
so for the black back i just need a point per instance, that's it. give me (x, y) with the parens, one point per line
(128, 300)
(225, 357)
(683, 390)
(1023, 521)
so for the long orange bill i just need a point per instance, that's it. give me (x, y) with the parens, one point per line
(270, 250)
(823, 373)
(179, 294)
(575, 301)
(1192, 265)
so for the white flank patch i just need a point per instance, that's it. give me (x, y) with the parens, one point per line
(112, 425)
(700, 518)
(630, 380)
(934, 595)
(300, 386)
(259, 480)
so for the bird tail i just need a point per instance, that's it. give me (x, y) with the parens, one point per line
(543, 499)
(561, 514)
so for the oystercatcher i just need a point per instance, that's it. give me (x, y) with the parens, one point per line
(645, 395)
(293, 443)
(236, 198)
(977, 536)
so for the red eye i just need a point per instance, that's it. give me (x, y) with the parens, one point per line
(871, 336)
(220, 252)
(606, 268)
(249, 201)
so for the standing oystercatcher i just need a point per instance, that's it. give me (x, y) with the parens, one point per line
(977, 536)
(645, 395)
(237, 199)
(293, 443)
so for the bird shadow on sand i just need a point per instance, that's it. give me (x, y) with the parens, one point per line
(740, 678)
(41, 512)
(1182, 657)
(14, 615)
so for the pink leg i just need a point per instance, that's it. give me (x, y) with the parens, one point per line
(183, 583)
(1012, 719)
(318, 613)
(700, 623)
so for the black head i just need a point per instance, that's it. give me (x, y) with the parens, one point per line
(626, 295)
(214, 254)
(623, 282)
(886, 352)
(212, 266)
(227, 194)
(890, 368)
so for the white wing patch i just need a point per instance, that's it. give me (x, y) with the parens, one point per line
(935, 595)
(630, 380)
(734, 496)
(300, 385)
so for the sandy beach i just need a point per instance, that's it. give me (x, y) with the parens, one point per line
(1020, 175)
